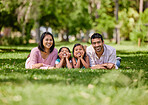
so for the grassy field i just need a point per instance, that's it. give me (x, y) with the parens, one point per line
(125, 86)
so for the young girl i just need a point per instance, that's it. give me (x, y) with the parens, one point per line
(64, 58)
(80, 59)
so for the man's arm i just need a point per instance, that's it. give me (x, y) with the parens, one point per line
(103, 66)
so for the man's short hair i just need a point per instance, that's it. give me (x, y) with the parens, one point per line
(96, 35)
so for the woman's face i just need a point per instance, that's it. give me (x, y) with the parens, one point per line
(47, 41)
(78, 51)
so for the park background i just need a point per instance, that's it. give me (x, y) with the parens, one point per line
(123, 24)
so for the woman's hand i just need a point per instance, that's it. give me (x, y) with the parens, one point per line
(38, 65)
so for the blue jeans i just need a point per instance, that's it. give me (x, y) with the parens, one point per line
(118, 63)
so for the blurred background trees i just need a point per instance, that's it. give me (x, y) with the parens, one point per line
(20, 20)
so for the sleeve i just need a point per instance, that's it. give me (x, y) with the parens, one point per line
(112, 57)
(57, 61)
(33, 57)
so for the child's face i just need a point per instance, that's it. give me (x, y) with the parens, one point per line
(78, 51)
(64, 53)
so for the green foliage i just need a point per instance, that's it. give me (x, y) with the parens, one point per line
(106, 20)
(12, 40)
(141, 29)
(127, 19)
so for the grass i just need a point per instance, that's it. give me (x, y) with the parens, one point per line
(125, 86)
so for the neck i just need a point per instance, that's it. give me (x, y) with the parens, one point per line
(47, 50)
(100, 53)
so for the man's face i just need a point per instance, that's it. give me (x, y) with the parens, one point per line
(97, 44)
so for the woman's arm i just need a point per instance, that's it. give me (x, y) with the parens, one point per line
(33, 59)
(37, 65)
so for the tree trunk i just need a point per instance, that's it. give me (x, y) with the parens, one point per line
(87, 36)
(46, 29)
(139, 42)
(61, 35)
(141, 6)
(37, 32)
(140, 11)
(116, 28)
(23, 29)
(67, 35)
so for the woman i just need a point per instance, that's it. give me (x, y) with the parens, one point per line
(43, 56)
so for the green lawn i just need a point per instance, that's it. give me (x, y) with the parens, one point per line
(125, 86)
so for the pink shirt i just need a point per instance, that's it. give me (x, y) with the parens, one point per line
(108, 56)
(35, 57)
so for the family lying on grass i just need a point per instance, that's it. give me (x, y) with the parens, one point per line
(96, 56)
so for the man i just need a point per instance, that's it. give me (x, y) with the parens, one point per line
(101, 56)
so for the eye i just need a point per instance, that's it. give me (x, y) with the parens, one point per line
(51, 40)
(94, 43)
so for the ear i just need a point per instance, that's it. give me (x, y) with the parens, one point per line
(103, 42)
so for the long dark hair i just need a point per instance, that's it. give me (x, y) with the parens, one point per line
(70, 58)
(41, 46)
(78, 44)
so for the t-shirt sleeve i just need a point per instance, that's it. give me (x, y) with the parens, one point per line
(57, 61)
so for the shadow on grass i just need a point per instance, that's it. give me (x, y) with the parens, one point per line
(135, 63)
(64, 76)
(13, 62)
(59, 76)
(131, 52)
(13, 50)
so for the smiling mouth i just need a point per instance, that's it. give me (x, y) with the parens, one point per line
(98, 48)
(64, 54)
(79, 53)
(48, 44)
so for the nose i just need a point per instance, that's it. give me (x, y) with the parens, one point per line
(49, 41)
(97, 44)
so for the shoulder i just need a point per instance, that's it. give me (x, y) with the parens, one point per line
(109, 48)
(90, 49)
(35, 49)
(55, 51)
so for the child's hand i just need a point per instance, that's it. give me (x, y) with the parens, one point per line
(82, 55)
(68, 55)
(60, 55)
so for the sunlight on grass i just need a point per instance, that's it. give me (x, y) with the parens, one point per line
(126, 86)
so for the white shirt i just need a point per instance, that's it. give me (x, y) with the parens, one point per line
(108, 56)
